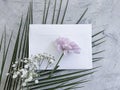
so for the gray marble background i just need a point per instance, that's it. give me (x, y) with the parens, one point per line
(102, 14)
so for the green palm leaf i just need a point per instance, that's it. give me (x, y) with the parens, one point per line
(5, 53)
(20, 49)
(1, 41)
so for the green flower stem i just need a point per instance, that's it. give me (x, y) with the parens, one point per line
(47, 65)
(56, 65)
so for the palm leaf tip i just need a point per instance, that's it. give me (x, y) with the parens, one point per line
(98, 33)
(46, 16)
(59, 11)
(64, 12)
(1, 41)
(43, 20)
(5, 53)
(82, 16)
(53, 17)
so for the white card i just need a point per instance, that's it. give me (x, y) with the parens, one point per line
(42, 37)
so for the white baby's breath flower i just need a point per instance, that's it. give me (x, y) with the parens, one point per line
(17, 72)
(24, 73)
(51, 61)
(26, 66)
(31, 67)
(21, 60)
(16, 62)
(25, 61)
(14, 75)
(21, 70)
(22, 76)
(30, 78)
(36, 81)
(35, 65)
(14, 65)
(24, 84)
(27, 80)
(7, 74)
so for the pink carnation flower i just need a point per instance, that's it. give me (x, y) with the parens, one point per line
(67, 46)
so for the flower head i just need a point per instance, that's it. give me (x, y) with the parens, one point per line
(24, 84)
(67, 46)
(36, 81)
(14, 75)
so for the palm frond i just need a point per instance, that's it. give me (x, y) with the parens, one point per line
(10, 83)
(55, 81)
(58, 80)
(21, 52)
(9, 79)
(5, 53)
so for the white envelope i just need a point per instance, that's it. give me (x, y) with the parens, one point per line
(42, 37)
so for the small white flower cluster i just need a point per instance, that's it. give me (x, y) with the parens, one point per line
(27, 68)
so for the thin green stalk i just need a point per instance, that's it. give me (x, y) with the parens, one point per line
(63, 75)
(65, 12)
(59, 12)
(47, 12)
(47, 65)
(67, 85)
(1, 41)
(54, 12)
(3, 60)
(98, 52)
(97, 44)
(56, 65)
(97, 59)
(31, 12)
(44, 12)
(5, 56)
(9, 78)
(82, 16)
(98, 40)
(98, 33)
(66, 79)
